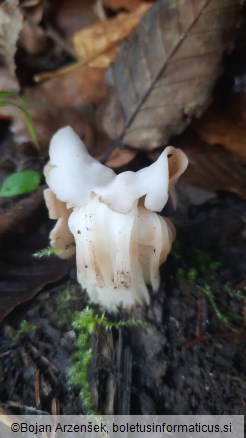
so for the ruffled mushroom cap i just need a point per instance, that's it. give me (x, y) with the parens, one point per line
(71, 172)
(119, 244)
(73, 175)
(177, 163)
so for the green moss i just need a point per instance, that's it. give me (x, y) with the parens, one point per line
(203, 265)
(223, 315)
(47, 252)
(86, 323)
(26, 327)
(206, 263)
(238, 294)
(201, 272)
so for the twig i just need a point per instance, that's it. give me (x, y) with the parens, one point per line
(37, 387)
(31, 409)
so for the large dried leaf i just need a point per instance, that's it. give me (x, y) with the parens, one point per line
(225, 124)
(164, 73)
(97, 44)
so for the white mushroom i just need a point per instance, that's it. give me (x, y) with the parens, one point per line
(120, 241)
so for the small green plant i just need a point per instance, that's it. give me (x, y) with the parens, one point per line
(25, 328)
(86, 323)
(225, 316)
(201, 273)
(24, 181)
(47, 252)
(12, 98)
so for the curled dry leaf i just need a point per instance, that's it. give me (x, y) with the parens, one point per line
(225, 125)
(97, 44)
(164, 72)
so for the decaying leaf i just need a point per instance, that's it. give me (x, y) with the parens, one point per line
(47, 118)
(73, 15)
(225, 125)
(120, 157)
(80, 84)
(23, 276)
(21, 214)
(10, 27)
(97, 44)
(212, 167)
(165, 71)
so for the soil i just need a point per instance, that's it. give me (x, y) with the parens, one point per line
(190, 359)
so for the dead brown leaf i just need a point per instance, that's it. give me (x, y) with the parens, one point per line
(73, 15)
(47, 118)
(23, 276)
(97, 44)
(212, 167)
(165, 71)
(120, 157)
(21, 213)
(80, 84)
(225, 125)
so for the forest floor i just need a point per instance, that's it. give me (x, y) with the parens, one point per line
(189, 359)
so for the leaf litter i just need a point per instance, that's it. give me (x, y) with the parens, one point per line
(155, 94)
